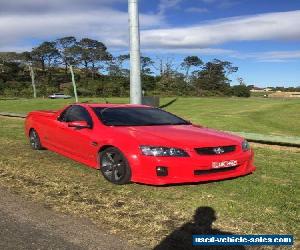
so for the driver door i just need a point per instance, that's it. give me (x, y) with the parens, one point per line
(75, 141)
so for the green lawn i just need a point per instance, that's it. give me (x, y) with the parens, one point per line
(257, 115)
(265, 202)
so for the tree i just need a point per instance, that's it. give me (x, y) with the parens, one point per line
(146, 64)
(27, 60)
(241, 81)
(116, 66)
(64, 47)
(8, 59)
(228, 67)
(92, 53)
(241, 91)
(45, 54)
(74, 83)
(189, 62)
(213, 77)
(170, 81)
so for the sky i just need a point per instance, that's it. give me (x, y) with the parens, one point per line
(261, 37)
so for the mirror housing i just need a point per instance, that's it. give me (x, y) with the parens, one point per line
(79, 124)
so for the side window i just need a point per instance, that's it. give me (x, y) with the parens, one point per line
(78, 113)
(63, 115)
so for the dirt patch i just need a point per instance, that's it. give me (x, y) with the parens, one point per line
(59, 186)
(29, 225)
(11, 117)
(276, 147)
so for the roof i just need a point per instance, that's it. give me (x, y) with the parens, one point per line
(109, 105)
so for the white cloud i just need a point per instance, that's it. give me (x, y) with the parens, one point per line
(263, 56)
(209, 1)
(25, 21)
(107, 25)
(271, 26)
(283, 55)
(164, 5)
(205, 51)
(221, 3)
(43, 6)
(270, 56)
(197, 10)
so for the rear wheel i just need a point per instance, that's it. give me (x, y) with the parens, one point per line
(35, 141)
(114, 166)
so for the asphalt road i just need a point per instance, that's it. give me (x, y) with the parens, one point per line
(28, 225)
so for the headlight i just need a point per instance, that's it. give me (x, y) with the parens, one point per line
(245, 146)
(163, 151)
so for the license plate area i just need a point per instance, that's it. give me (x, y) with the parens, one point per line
(224, 164)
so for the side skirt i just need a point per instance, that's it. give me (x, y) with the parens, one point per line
(71, 156)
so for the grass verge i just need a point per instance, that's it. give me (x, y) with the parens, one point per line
(265, 202)
(254, 115)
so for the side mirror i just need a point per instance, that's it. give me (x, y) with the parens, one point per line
(79, 124)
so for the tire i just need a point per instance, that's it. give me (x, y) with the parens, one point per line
(114, 166)
(34, 140)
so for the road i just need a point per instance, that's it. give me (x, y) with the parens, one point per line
(29, 225)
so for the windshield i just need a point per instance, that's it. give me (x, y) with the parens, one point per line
(122, 116)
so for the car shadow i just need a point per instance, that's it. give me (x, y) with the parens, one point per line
(202, 224)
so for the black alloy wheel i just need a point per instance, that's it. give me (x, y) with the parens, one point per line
(114, 166)
(34, 140)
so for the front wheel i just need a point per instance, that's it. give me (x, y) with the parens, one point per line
(35, 141)
(114, 166)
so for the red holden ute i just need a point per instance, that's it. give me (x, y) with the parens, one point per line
(136, 143)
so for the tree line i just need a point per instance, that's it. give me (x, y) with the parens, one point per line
(100, 73)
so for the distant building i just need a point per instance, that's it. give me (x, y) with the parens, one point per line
(256, 89)
(260, 90)
(268, 89)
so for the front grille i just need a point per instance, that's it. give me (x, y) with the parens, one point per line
(215, 150)
(211, 171)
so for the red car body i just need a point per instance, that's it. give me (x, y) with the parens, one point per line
(84, 145)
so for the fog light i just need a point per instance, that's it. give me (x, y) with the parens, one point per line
(162, 171)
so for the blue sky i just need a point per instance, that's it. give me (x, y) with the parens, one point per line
(260, 37)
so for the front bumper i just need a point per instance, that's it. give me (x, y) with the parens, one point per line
(189, 170)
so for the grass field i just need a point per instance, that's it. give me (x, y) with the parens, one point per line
(265, 202)
(258, 115)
